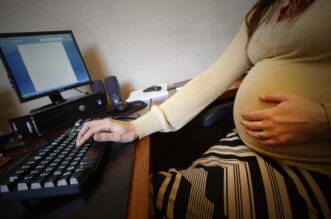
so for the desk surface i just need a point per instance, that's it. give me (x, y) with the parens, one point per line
(139, 199)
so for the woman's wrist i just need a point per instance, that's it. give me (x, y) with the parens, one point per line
(134, 131)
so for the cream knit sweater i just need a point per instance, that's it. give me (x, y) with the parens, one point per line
(292, 55)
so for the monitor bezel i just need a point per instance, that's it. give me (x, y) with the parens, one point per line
(52, 92)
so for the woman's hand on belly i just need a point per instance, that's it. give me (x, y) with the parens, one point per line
(294, 119)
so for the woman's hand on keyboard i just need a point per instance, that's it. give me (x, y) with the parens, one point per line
(107, 130)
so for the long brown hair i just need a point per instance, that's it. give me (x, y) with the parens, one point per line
(254, 16)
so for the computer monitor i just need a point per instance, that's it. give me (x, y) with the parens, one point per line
(43, 64)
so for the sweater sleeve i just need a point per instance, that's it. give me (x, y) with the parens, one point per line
(199, 92)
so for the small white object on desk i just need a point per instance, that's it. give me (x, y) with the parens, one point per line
(146, 96)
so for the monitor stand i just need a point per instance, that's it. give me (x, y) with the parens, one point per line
(56, 98)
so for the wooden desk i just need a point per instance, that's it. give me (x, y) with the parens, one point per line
(139, 198)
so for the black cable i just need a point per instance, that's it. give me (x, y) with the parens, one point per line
(82, 92)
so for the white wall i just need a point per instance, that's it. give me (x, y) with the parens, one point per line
(142, 42)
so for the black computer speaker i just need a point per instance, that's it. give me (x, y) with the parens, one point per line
(97, 87)
(120, 108)
(113, 90)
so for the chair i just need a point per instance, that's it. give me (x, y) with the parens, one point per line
(221, 111)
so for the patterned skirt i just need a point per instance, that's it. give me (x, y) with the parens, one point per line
(232, 181)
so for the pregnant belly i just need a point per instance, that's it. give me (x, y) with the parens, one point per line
(282, 76)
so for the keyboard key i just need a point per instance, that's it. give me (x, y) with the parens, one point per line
(13, 178)
(23, 185)
(4, 187)
(77, 177)
(50, 182)
(57, 172)
(62, 182)
(37, 157)
(65, 179)
(35, 185)
(38, 182)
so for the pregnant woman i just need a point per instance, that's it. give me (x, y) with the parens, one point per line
(277, 162)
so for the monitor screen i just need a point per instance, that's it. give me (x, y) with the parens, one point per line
(43, 63)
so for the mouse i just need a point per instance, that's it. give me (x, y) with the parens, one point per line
(118, 108)
(152, 88)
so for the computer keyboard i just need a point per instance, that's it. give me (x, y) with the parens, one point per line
(57, 168)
